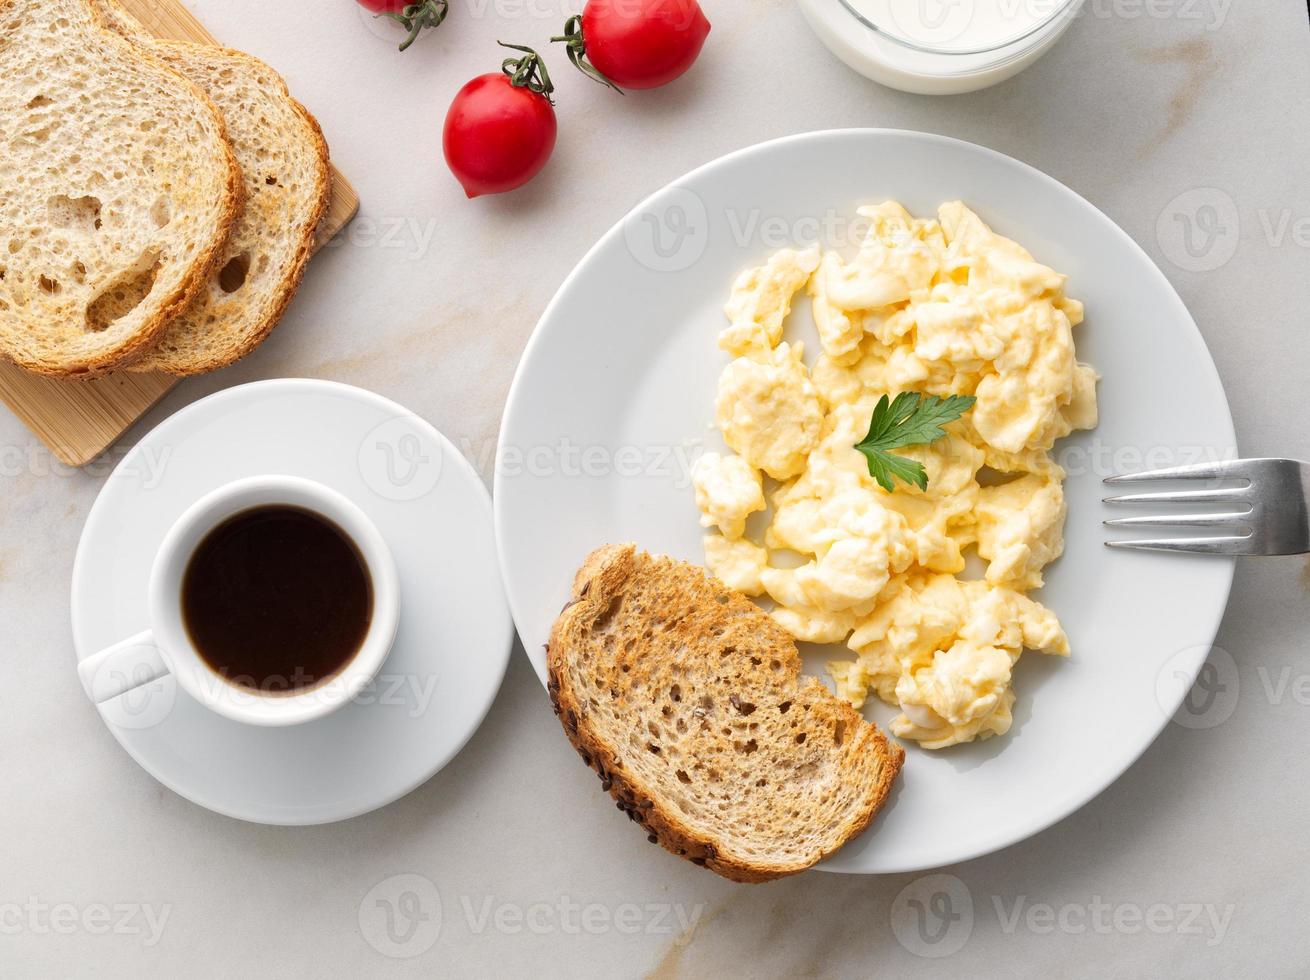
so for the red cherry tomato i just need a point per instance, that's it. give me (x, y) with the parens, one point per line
(501, 128)
(416, 16)
(637, 44)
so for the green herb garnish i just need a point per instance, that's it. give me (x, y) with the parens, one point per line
(911, 420)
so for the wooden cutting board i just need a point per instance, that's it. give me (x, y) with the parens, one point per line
(79, 420)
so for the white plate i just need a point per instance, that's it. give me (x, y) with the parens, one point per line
(623, 367)
(455, 632)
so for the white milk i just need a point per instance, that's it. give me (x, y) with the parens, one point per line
(939, 47)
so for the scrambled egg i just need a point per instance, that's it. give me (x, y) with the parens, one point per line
(941, 307)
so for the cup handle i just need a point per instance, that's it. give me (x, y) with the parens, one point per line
(123, 667)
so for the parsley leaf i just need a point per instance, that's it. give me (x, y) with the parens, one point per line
(911, 420)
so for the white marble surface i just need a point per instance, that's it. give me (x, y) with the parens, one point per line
(1192, 865)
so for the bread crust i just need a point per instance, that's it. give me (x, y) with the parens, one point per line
(201, 266)
(604, 570)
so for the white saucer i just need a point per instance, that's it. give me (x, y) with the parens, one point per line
(455, 630)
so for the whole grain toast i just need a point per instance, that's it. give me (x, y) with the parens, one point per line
(284, 157)
(119, 191)
(686, 698)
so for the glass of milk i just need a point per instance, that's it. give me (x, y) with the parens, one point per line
(940, 47)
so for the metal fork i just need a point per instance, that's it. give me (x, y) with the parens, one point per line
(1272, 508)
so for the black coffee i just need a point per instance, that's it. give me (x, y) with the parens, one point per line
(277, 599)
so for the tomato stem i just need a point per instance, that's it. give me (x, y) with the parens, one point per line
(528, 72)
(576, 46)
(417, 17)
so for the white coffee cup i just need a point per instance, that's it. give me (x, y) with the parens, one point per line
(166, 648)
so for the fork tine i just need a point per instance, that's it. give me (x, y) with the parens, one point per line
(1182, 520)
(1232, 495)
(1223, 470)
(1199, 546)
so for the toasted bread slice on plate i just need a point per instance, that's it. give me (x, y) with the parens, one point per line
(687, 700)
(119, 191)
(281, 150)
